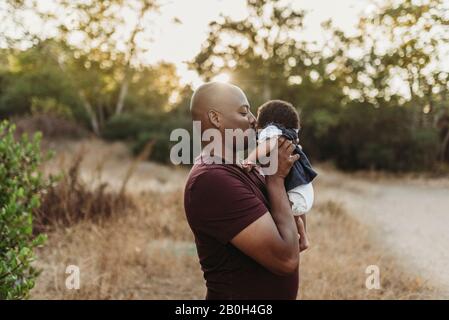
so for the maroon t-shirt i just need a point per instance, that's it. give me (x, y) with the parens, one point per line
(220, 201)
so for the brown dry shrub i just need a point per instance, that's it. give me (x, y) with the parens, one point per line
(140, 255)
(70, 200)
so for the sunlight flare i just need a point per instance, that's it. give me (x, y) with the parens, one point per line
(222, 77)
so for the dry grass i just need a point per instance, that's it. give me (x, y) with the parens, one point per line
(148, 252)
(69, 200)
(342, 248)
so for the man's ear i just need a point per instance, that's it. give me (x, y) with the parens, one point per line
(214, 118)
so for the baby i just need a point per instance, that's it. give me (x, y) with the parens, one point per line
(277, 118)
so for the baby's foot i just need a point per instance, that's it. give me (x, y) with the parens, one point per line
(303, 242)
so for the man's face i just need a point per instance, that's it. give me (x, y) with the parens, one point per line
(237, 115)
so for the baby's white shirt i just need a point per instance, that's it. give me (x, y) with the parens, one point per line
(301, 197)
(269, 132)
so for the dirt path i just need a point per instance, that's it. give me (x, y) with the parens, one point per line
(409, 216)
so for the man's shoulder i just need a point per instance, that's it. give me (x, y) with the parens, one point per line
(209, 185)
(212, 173)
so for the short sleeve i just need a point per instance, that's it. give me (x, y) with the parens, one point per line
(221, 205)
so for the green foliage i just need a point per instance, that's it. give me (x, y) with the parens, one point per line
(126, 126)
(369, 139)
(350, 112)
(20, 187)
(139, 129)
(50, 106)
(52, 77)
(161, 148)
(33, 81)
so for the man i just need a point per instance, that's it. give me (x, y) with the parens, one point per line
(245, 233)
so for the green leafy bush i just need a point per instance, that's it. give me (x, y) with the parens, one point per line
(21, 185)
(126, 126)
(161, 149)
(139, 129)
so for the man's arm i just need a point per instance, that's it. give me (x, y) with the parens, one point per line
(272, 240)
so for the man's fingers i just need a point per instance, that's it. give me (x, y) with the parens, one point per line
(281, 141)
(291, 148)
(285, 144)
(294, 157)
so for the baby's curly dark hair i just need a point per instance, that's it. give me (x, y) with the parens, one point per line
(280, 112)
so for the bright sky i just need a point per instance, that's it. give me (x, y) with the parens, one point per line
(179, 43)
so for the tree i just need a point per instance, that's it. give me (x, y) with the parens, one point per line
(266, 56)
(24, 69)
(346, 76)
(400, 44)
(106, 48)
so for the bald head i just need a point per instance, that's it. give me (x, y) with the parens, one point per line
(223, 106)
(218, 96)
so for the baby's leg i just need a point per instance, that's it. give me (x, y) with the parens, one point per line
(299, 207)
(303, 239)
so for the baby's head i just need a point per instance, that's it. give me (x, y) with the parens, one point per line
(277, 111)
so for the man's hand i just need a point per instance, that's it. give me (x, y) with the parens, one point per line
(285, 158)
